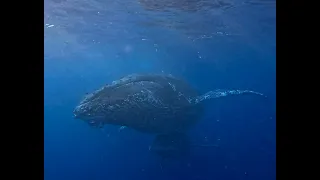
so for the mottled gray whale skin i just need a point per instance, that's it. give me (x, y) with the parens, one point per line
(150, 103)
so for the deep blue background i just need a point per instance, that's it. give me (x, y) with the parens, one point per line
(94, 42)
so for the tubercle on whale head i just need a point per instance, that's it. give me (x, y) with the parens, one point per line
(83, 114)
(97, 111)
(88, 107)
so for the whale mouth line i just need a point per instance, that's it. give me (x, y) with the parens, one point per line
(89, 118)
(113, 86)
(130, 82)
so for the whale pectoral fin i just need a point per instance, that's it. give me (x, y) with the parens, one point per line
(222, 93)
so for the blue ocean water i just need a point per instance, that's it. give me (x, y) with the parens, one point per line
(210, 43)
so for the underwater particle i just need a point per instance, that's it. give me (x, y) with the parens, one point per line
(121, 128)
(218, 120)
(245, 173)
(50, 26)
(127, 48)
